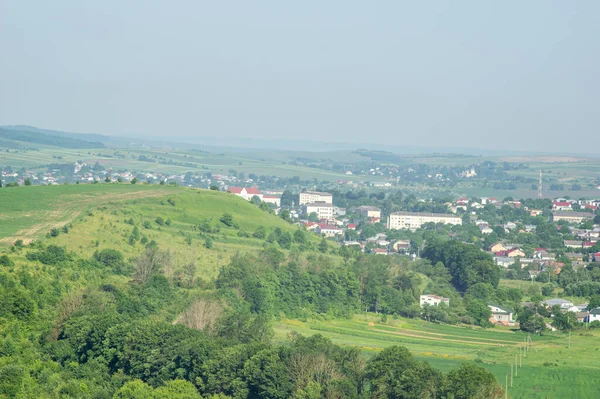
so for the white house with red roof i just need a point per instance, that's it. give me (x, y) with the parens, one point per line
(246, 192)
(562, 206)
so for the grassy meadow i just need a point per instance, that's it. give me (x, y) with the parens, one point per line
(550, 370)
(99, 216)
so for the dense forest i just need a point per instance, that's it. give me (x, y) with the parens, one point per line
(113, 327)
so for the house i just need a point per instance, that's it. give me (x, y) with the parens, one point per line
(570, 216)
(322, 209)
(433, 300)
(535, 212)
(561, 206)
(497, 247)
(351, 226)
(307, 197)
(503, 261)
(563, 303)
(414, 220)
(573, 244)
(401, 246)
(328, 230)
(380, 251)
(574, 257)
(246, 192)
(510, 226)
(339, 211)
(369, 212)
(594, 315)
(501, 315)
(596, 257)
(486, 230)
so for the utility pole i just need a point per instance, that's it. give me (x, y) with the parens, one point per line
(511, 375)
(520, 358)
(506, 390)
(516, 366)
(540, 186)
(569, 339)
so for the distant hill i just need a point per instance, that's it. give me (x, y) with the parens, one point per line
(31, 135)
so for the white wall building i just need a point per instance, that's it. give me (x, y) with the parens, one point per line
(322, 209)
(433, 300)
(308, 197)
(414, 220)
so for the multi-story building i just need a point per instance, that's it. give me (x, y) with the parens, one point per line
(414, 220)
(369, 211)
(571, 217)
(308, 197)
(433, 300)
(322, 209)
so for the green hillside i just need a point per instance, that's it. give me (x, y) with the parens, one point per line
(25, 135)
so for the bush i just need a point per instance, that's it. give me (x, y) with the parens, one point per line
(6, 261)
(227, 220)
(208, 243)
(51, 255)
(160, 221)
(260, 233)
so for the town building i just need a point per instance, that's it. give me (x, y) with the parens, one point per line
(433, 300)
(328, 230)
(571, 217)
(272, 199)
(501, 315)
(246, 192)
(307, 197)
(414, 220)
(322, 209)
(369, 211)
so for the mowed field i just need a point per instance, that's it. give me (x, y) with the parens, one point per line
(550, 370)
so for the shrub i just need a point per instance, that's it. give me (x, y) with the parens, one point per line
(6, 261)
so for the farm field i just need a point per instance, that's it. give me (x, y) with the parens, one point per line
(550, 370)
(166, 161)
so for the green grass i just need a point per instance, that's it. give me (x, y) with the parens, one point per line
(98, 215)
(551, 369)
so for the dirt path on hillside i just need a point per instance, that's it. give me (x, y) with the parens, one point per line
(70, 208)
(412, 335)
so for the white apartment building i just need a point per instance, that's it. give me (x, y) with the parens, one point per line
(414, 220)
(322, 209)
(308, 197)
(433, 300)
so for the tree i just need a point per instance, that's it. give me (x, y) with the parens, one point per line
(260, 233)
(267, 376)
(285, 240)
(107, 180)
(323, 246)
(120, 179)
(227, 219)
(563, 321)
(208, 243)
(473, 382)
(255, 200)
(152, 261)
(480, 312)
(300, 236)
(28, 182)
(285, 215)
(420, 381)
(547, 289)
(531, 322)
(214, 188)
(134, 180)
(384, 371)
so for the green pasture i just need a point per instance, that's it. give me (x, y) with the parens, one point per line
(550, 370)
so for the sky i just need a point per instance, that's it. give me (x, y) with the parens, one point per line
(503, 75)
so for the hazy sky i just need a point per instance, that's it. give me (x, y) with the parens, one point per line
(485, 74)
